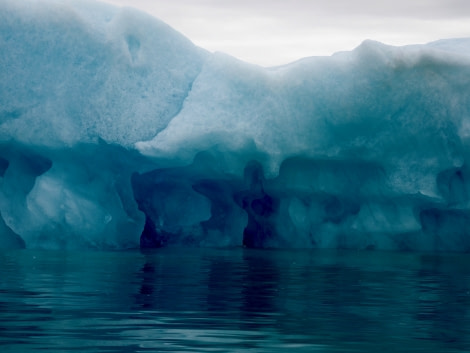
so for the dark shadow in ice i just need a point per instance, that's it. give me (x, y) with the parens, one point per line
(3, 166)
(449, 229)
(259, 206)
(454, 185)
(150, 238)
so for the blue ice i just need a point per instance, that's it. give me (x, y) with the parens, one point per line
(117, 132)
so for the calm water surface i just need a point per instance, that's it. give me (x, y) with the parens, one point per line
(233, 300)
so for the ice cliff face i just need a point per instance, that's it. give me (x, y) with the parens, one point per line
(117, 132)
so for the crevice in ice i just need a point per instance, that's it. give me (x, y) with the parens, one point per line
(260, 208)
(150, 238)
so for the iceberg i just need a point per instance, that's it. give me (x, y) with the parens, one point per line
(117, 132)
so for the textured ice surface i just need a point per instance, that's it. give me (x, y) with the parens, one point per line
(116, 131)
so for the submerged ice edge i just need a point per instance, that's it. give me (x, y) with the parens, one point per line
(117, 132)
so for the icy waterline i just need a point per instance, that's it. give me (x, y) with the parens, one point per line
(117, 132)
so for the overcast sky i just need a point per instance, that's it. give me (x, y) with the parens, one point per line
(274, 32)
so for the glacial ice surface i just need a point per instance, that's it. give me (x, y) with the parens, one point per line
(117, 132)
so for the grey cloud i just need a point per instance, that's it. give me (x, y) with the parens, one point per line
(386, 8)
(304, 9)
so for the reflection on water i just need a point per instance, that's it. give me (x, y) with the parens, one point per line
(233, 300)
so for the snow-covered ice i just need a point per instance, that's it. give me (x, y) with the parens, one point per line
(116, 131)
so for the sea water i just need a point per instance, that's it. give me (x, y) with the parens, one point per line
(234, 300)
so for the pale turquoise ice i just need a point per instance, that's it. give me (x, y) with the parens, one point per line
(109, 118)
